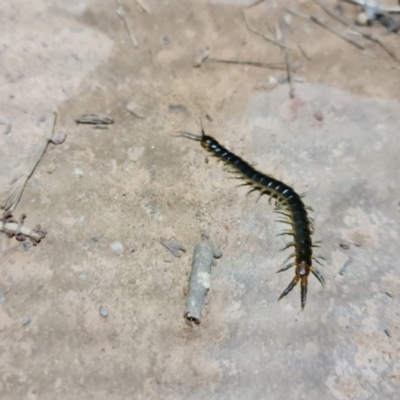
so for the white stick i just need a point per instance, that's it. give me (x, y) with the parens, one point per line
(199, 283)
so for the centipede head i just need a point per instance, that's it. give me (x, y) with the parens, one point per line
(199, 138)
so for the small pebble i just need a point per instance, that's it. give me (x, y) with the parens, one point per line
(51, 168)
(103, 312)
(78, 172)
(299, 79)
(174, 247)
(95, 239)
(217, 253)
(132, 281)
(26, 320)
(362, 19)
(201, 56)
(287, 19)
(168, 258)
(117, 247)
(83, 275)
(389, 294)
(177, 108)
(319, 116)
(135, 109)
(27, 245)
(387, 331)
(58, 138)
(344, 245)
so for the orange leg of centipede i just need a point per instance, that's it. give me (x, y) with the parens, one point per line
(293, 283)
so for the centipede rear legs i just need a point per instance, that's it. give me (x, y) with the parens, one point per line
(302, 272)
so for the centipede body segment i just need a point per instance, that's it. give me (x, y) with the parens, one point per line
(289, 205)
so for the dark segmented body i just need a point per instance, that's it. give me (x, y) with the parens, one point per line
(290, 205)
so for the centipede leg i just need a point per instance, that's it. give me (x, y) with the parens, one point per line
(290, 287)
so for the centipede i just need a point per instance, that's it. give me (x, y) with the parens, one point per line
(288, 204)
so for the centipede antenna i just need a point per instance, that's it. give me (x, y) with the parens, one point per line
(202, 128)
(191, 136)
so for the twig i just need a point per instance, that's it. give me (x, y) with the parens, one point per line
(251, 29)
(297, 13)
(346, 265)
(199, 283)
(7, 124)
(18, 187)
(13, 228)
(368, 36)
(121, 14)
(287, 62)
(303, 52)
(144, 6)
(253, 63)
(336, 32)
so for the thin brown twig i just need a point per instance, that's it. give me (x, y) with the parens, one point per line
(251, 29)
(319, 22)
(18, 187)
(121, 14)
(287, 62)
(368, 36)
(336, 32)
(252, 63)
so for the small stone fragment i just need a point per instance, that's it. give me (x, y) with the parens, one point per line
(362, 19)
(58, 138)
(287, 19)
(387, 331)
(103, 312)
(318, 115)
(168, 258)
(177, 108)
(26, 320)
(133, 108)
(83, 275)
(27, 245)
(94, 119)
(217, 252)
(117, 247)
(174, 247)
(344, 245)
(201, 56)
